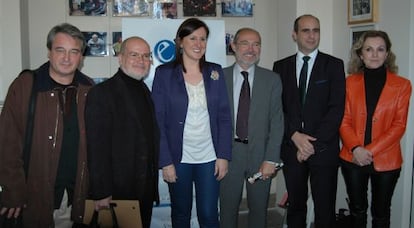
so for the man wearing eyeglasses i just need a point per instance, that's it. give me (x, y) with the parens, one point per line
(46, 185)
(122, 134)
(256, 107)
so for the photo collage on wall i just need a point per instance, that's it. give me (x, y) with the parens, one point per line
(156, 9)
(160, 9)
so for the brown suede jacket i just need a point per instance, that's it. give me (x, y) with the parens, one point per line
(37, 193)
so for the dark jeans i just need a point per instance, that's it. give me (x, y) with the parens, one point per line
(206, 192)
(382, 188)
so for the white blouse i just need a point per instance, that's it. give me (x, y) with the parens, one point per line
(197, 141)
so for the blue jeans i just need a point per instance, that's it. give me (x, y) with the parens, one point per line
(206, 190)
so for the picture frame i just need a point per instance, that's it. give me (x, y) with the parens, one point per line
(362, 11)
(96, 45)
(87, 7)
(130, 8)
(164, 9)
(357, 31)
(237, 8)
(197, 8)
(229, 39)
(116, 43)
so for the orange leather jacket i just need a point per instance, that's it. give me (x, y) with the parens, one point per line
(388, 121)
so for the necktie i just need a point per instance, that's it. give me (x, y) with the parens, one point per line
(302, 79)
(243, 109)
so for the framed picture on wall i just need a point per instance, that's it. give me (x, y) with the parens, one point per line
(229, 40)
(127, 8)
(362, 11)
(236, 8)
(95, 43)
(87, 7)
(164, 9)
(357, 31)
(116, 43)
(194, 8)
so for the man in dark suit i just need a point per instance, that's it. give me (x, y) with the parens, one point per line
(310, 146)
(122, 134)
(256, 146)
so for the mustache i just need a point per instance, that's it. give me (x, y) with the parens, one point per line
(249, 53)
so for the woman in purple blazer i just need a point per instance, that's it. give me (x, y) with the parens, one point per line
(194, 117)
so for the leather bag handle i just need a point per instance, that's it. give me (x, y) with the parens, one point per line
(94, 221)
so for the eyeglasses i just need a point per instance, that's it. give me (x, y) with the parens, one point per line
(144, 56)
(247, 44)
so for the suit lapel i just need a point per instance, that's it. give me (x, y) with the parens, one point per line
(207, 86)
(292, 63)
(228, 76)
(179, 89)
(318, 66)
(256, 92)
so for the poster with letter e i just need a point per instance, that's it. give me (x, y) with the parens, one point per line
(160, 35)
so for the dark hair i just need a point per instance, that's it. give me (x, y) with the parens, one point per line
(237, 35)
(185, 29)
(357, 65)
(296, 23)
(68, 29)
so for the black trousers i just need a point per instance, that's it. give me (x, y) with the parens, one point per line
(145, 207)
(382, 188)
(323, 182)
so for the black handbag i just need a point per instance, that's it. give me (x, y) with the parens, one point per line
(18, 222)
(11, 222)
(95, 219)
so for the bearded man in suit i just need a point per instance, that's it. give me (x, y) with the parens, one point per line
(257, 139)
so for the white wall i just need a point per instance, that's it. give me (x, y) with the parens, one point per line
(10, 44)
(410, 132)
(286, 15)
(23, 41)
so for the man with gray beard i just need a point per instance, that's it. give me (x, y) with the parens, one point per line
(122, 134)
(255, 97)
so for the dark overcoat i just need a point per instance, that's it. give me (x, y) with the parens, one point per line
(122, 160)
